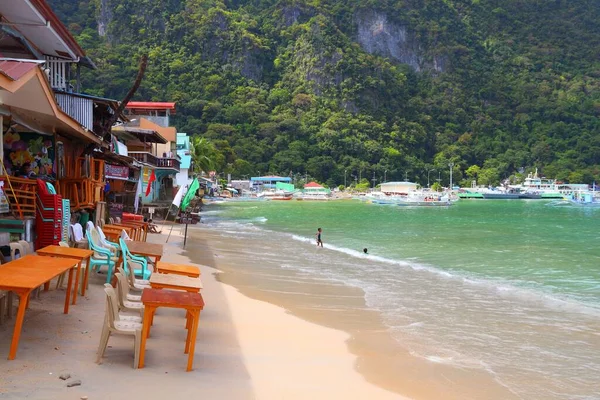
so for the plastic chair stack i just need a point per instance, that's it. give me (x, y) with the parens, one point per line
(115, 323)
(48, 217)
(102, 256)
(66, 223)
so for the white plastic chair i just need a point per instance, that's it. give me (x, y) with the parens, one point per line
(14, 247)
(124, 235)
(123, 316)
(61, 279)
(77, 236)
(113, 247)
(135, 284)
(113, 323)
(89, 225)
(124, 304)
(26, 246)
(123, 286)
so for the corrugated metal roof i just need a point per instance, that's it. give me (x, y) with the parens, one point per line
(143, 135)
(312, 185)
(15, 69)
(150, 105)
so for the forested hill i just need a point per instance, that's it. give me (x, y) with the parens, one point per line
(384, 87)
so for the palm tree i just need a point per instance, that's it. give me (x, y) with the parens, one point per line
(203, 154)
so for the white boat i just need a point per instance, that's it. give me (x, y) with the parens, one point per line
(416, 198)
(426, 199)
(275, 195)
(535, 187)
(489, 193)
(587, 198)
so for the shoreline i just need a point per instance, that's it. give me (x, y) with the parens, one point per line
(380, 358)
(246, 349)
(287, 346)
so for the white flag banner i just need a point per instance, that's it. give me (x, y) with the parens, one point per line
(138, 192)
(178, 197)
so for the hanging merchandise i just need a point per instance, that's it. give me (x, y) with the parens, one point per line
(4, 206)
(60, 160)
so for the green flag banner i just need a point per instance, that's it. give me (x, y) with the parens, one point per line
(190, 194)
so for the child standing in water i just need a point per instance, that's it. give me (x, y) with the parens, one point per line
(318, 235)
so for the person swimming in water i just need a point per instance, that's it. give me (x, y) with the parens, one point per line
(365, 250)
(318, 235)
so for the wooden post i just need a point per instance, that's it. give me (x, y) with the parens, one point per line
(185, 235)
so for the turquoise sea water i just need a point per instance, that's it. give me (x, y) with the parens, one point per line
(509, 287)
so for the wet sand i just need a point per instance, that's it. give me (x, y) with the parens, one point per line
(246, 349)
(380, 359)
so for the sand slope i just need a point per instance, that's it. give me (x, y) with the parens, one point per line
(246, 349)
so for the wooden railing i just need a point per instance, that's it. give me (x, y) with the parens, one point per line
(159, 162)
(144, 157)
(58, 72)
(20, 193)
(167, 162)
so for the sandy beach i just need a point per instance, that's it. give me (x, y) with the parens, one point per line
(246, 349)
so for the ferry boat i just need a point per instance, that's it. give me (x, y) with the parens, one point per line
(535, 187)
(489, 193)
(415, 198)
(275, 195)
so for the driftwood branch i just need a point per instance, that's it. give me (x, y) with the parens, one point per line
(130, 93)
(108, 123)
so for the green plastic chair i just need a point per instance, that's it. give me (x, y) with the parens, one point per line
(144, 272)
(101, 256)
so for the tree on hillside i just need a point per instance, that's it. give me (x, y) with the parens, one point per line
(203, 155)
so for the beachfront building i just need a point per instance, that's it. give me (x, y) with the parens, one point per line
(183, 177)
(260, 183)
(137, 145)
(399, 188)
(240, 185)
(155, 149)
(313, 190)
(48, 125)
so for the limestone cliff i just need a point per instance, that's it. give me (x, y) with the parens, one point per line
(377, 35)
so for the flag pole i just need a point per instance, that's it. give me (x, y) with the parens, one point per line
(177, 203)
(191, 192)
(185, 236)
(166, 219)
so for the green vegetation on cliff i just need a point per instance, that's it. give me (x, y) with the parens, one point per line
(386, 87)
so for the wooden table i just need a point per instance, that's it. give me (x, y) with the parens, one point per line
(191, 302)
(143, 226)
(112, 234)
(72, 253)
(178, 269)
(127, 229)
(27, 273)
(177, 282)
(145, 249)
(137, 230)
